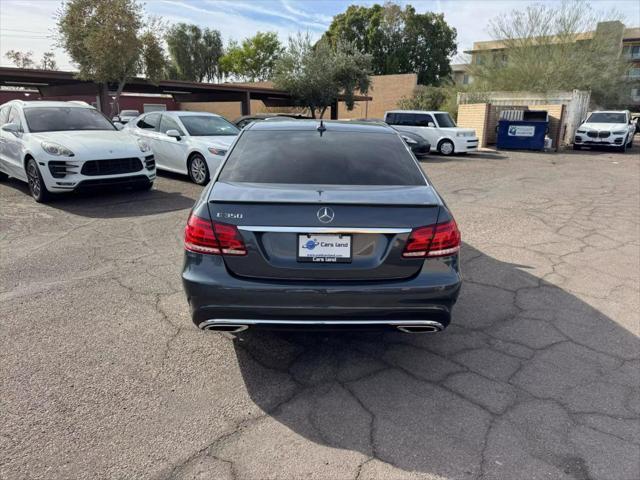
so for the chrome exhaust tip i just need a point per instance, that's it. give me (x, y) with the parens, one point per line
(222, 327)
(419, 328)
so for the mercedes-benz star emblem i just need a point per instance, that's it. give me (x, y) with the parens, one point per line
(325, 215)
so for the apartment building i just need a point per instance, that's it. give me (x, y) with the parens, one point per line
(629, 48)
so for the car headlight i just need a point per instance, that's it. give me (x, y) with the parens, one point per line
(410, 141)
(621, 132)
(57, 150)
(144, 146)
(217, 151)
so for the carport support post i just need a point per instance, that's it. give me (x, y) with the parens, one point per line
(103, 100)
(246, 104)
(334, 110)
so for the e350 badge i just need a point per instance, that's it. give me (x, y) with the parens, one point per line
(229, 215)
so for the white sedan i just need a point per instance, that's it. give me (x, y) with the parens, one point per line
(191, 143)
(65, 146)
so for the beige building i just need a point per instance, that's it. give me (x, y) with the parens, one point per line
(386, 91)
(629, 47)
(460, 73)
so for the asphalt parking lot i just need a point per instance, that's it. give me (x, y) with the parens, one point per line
(102, 374)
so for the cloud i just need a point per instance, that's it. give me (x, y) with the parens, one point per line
(316, 17)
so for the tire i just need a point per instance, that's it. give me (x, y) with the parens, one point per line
(3, 176)
(623, 147)
(446, 148)
(198, 169)
(577, 147)
(37, 188)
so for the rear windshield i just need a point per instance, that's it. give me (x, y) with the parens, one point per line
(59, 119)
(335, 158)
(607, 117)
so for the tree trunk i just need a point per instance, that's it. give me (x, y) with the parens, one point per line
(115, 108)
(322, 110)
(313, 112)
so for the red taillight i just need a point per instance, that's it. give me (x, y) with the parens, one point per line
(433, 241)
(229, 238)
(201, 236)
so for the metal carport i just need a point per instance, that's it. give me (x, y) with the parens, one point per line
(52, 83)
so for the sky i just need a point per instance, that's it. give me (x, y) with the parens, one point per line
(28, 25)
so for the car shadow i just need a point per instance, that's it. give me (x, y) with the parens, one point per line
(174, 176)
(113, 202)
(596, 150)
(461, 157)
(527, 380)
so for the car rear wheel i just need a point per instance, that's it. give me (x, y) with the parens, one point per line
(37, 188)
(446, 148)
(198, 170)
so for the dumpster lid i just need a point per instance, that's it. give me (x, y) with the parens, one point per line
(535, 116)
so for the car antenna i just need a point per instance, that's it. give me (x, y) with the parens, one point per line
(321, 127)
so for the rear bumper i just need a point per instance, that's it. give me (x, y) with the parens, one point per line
(215, 294)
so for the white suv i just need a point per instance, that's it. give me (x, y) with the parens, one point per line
(438, 128)
(64, 146)
(606, 129)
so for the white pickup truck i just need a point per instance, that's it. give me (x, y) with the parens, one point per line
(606, 129)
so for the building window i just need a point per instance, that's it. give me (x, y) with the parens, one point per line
(634, 72)
(154, 107)
(635, 94)
(465, 79)
(632, 51)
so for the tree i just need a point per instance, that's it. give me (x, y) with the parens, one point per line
(111, 41)
(194, 52)
(425, 98)
(399, 41)
(48, 61)
(548, 48)
(255, 58)
(317, 75)
(25, 60)
(21, 59)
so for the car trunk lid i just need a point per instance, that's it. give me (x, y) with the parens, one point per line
(278, 221)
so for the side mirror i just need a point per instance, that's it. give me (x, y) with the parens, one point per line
(174, 134)
(115, 119)
(12, 128)
(119, 126)
(431, 124)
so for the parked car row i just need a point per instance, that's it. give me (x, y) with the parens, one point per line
(65, 146)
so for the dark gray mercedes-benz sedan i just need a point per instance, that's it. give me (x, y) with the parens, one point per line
(321, 225)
